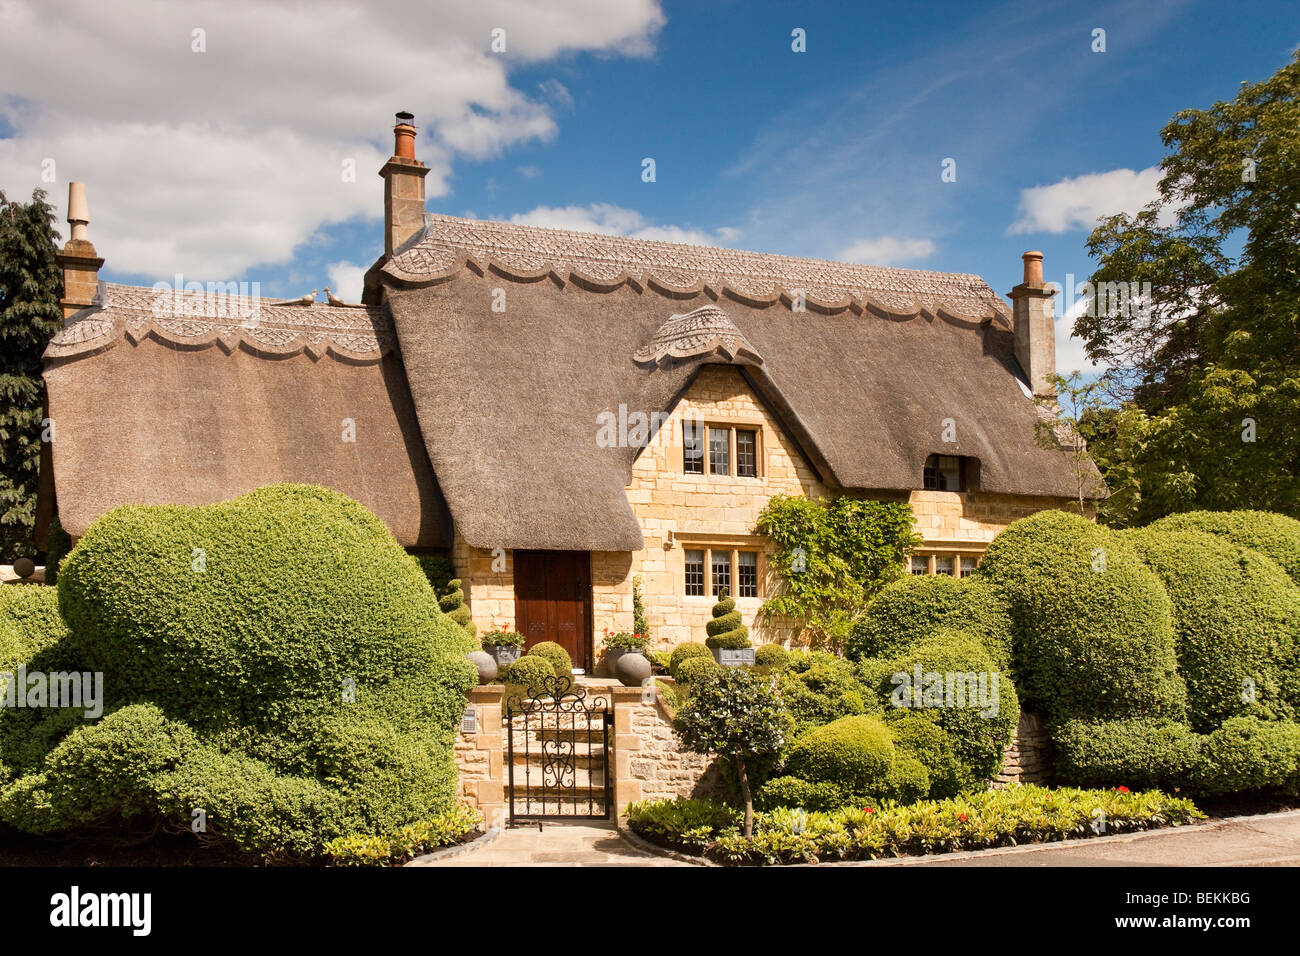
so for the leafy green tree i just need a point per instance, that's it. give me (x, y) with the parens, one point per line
(833, 557)
(737, 714)
(1209, 364)
(30, 286)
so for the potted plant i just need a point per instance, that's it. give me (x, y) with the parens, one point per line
(728, 637)
(503, 644)
(618, 644)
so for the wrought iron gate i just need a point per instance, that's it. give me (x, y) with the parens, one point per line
(557, 752)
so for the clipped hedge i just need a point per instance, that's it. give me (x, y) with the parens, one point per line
(693, 668)
(1237, 619)
(277, 660)
(685, 651)
(818, 688)
(854, 753)
(1273, 535)
(1139, 753)
(30, 622)
(559, 658)
(1093, 626)
(915, 607)
(1248, 754)
(527, 677)
(965, 695)
(772, 656)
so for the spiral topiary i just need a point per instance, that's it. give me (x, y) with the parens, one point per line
(726, 631)
(452, 602)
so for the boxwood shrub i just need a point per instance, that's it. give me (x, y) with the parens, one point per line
(915, 607)
(975, 729)
(30, 622)
(693, 668)
(854, 753)
(1237, 618)
(1248, 754)
(1273, 535)
(818, 688)
(561, 663)
(525, 678)
(1093, 626)
(772, 656)
(277, 660)
(1138, 753)
(684, 651)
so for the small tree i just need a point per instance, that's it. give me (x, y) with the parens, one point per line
(833, 557)
(30, 284)
(1065, 421)
(640, 624)
(736, 714)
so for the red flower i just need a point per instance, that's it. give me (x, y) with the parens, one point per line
(868, 809)
(962, 817)
(1121, 789)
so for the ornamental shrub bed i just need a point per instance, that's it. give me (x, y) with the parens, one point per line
(276, 660)
(418, 838)
(995, 818)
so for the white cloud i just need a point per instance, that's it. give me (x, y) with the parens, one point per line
(346, 280)
(614, 220)
(210, 162)
(1077, 203)
(886, 251)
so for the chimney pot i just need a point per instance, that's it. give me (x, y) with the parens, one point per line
(1033, 269)
(78, 210)
(404, 136)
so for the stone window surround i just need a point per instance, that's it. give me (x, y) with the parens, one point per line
(732, 544)
(956, 550)
(731, 427)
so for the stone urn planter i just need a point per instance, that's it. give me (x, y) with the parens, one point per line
(738, 657)
(632, 668)
(615, 654)
(504, 654)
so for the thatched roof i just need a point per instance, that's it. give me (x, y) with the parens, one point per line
(866, 379)
(198, 398)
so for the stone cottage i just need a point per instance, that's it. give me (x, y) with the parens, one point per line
(562, 411)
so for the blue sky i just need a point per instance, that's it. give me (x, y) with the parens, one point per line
(835, 152)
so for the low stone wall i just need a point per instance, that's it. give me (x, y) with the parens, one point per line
(648, 763)
(1027, 759)
(479, 756)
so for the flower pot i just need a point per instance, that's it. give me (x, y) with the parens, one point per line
(740, 657)
(504, 654)
(609, 663)
(632, 668)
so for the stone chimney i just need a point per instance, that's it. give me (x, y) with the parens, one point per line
(403, 187)
(79, 260)
(1034, 326)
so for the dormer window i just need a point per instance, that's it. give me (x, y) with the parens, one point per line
(945, 473)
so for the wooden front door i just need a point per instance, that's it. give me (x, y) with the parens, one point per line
(553, 600)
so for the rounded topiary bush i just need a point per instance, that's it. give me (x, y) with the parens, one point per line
(530, 676)
(951, 679)
(854, 753)
(684, 652)
(1273, 535)
(915, 607)
(1237, 619)
(772, 656)
(726, 631)
(921, 737)
(286, 632)
(1141, 754)
(1093, 626)
(693, 668)
(559, 658)
(792, 792)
